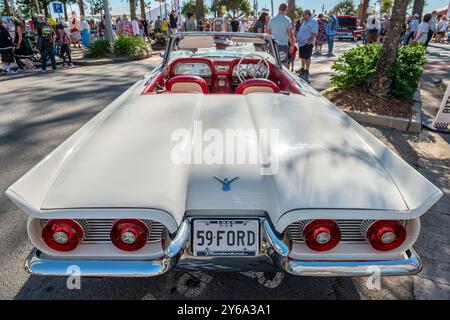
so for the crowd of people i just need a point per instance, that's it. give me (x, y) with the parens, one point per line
(305, 36)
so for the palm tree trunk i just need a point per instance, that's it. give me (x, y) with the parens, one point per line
(81, 5)
(7, 7)
(418, 7)
(199, 9)
(364, 7)
(380, 82)
(291, 10)
(132, 9)
(142, 5)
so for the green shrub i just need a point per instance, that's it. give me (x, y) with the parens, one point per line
(408, 70)
(357, 65)
(98, 49)
(159, 37)
(130, 46)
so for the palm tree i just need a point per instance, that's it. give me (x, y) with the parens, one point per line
(81, 5)
(380, 82)
(132, 9)
(7, 7)
(418, 7)
(291, 10)
(199, 9)
(142, 5)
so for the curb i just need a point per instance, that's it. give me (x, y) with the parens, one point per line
(413, 125)
(103, 61)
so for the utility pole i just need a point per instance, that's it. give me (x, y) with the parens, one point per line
(271, 4)
(323, 8)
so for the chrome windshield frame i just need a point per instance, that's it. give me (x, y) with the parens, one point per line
(264, 36)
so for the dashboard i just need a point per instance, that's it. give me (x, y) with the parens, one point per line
(221, 67)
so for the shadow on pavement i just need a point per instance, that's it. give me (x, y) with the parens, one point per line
(193, 285)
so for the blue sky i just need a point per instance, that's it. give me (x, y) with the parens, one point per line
(122, 6)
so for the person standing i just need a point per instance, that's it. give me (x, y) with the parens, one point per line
(190, 24)
(373, 28)
(46, 40)
(421, 35)
(164, 26)
(64, 45)
(145, 26)
(124, 26)
(173, 20)
(158, 24)
(75, 33)
(412, 28)
(332, 27)
(135, 26)
(201, 25)
(207, 25)
(219, 23)
(260, 25)
(234, 24)
(306, 38)
(322, 35)
(22, 48)
(431, 27)
(85, 32)
(280, 27)
(441, 29)
(6, 50)
(243, 26)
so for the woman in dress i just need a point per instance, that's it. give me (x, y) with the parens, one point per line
(22, 48)
(322, 35)
(85, 32)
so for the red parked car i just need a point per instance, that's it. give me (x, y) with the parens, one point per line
(350, 28)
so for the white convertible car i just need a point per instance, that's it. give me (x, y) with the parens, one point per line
(221, 159)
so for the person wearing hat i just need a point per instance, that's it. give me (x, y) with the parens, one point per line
(413, 24)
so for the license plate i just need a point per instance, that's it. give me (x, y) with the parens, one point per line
(227, 237)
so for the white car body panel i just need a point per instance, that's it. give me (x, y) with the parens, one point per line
(329, 165)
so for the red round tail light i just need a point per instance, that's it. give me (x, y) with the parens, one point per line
(321, 235)
(386, 235)
(62, 234)
(129, 234)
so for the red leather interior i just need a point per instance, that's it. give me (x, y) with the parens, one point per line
(187, 79)
(257, 83)
(221, 81)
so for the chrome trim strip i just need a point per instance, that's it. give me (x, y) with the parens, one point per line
(277, 244)
(180, 241)
(411, 264)
(38, 265)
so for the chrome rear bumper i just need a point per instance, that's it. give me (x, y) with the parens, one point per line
(274, 257)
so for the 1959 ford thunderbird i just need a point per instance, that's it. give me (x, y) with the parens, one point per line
(221, 159)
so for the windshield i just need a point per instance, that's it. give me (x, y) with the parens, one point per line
(220, 46)
(347, 22)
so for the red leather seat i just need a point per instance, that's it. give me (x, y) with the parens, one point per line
(187, 83)
(257, 85)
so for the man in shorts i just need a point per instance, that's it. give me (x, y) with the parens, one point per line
(306, 38)
(280, 27)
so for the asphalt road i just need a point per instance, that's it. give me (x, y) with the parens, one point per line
(39, 111)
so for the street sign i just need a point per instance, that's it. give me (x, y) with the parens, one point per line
(57, 7)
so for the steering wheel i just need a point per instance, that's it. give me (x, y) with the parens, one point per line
(253, 70)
